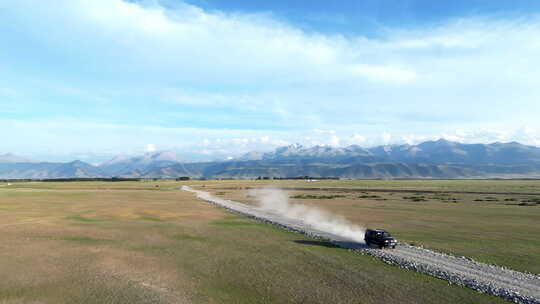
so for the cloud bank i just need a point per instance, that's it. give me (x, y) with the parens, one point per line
(85, 74)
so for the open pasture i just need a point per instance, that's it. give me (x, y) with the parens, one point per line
(131, 243)
(492, 221)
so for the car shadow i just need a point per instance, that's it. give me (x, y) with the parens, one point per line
(316, 243)
(351, 245)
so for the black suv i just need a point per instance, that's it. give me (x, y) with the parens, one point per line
(380, 238)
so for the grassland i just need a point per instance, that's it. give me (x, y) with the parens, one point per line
(497, 228)
(496, 186)
(133, 242)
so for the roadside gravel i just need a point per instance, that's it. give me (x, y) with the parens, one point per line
(490, 279)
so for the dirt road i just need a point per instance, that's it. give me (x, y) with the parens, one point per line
(505, 283)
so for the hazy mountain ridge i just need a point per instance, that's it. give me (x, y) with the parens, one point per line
(12, 158)
(431, 159)
(121, 166)
(446, 152)
(49, 170)
(436, 152)
(298, 151)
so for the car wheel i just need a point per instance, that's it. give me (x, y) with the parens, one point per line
(394, 247)
(381, 246)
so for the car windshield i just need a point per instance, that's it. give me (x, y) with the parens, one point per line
(386, 234)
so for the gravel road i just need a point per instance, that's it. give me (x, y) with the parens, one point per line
(498, 281)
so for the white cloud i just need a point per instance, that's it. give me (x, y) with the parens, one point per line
(334, 141)
(386, 138)
(150, 148)
(523, 134)
(221, 143)
(358, 139)
(382, 73)
(461, 132)
(201, 44)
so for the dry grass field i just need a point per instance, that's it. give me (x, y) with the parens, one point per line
(137, 242)
(497, 228)
(496, 186)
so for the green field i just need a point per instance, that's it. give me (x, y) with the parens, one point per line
(498, 228)
(465, 185)
(137, 242)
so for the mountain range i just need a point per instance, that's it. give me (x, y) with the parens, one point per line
(430, 159)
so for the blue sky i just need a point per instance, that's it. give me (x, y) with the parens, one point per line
(367, 17)
(90, 79)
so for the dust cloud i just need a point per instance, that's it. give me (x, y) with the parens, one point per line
(277, 201)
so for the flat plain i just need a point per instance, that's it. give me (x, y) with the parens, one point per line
(148, 242)
(491, 221)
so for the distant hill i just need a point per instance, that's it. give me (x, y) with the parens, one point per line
(127, 166)
(447, 152)
(434, 152)
(297, 151)
(430, 159)
(49, 170)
